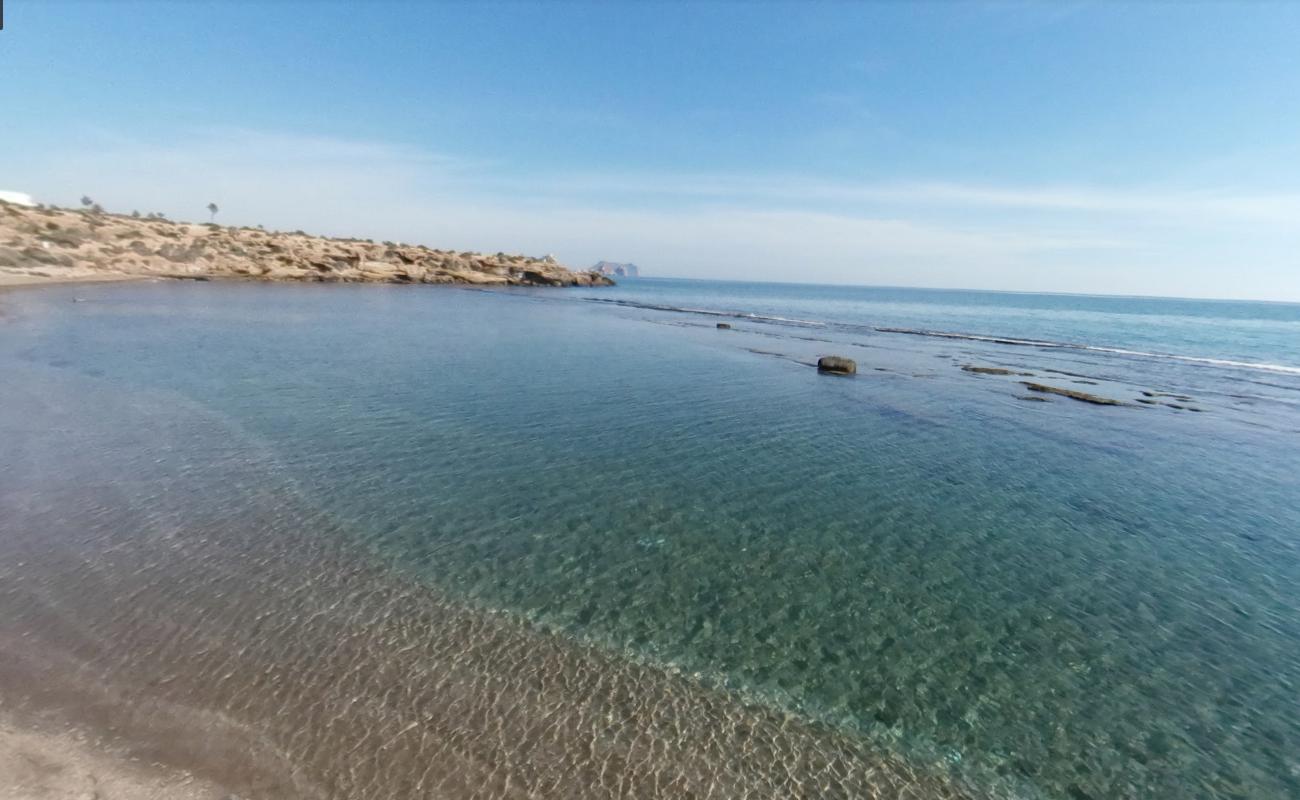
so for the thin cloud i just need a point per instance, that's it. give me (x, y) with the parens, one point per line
(1145, 241)
(1192, 205)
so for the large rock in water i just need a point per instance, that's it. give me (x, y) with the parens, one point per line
(613, 268)
(837, 365)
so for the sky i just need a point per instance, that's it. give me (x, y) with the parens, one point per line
(1147, 148)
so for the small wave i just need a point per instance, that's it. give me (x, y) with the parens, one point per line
(974, 337)
(1218, 362)
(709, 312)
(1283, 369)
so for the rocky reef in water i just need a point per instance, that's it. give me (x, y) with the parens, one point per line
(613, 268)
(58, 243)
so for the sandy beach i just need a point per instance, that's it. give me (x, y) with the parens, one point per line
(13, 279)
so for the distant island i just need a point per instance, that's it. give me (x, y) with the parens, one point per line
(615, 269)
(40, 244)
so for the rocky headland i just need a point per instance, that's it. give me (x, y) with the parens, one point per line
(40, 244)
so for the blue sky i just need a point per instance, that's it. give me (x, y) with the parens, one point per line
(1131, 149)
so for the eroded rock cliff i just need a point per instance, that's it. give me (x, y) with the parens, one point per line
(45, 242)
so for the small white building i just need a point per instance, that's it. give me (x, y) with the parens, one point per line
(17, 198)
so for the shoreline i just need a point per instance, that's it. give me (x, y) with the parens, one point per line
(16, 280)
(284, 641)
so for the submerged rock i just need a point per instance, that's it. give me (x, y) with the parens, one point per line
(1072, 394)
(837, 365)
(993, 371)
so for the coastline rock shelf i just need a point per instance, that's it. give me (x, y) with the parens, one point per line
(1072, 394)
(55, 243)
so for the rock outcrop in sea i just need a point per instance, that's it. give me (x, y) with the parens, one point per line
(1073, 394)
(613, 268)
(837, 365)
(46, 242)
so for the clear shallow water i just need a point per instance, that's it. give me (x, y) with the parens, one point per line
(973, 592)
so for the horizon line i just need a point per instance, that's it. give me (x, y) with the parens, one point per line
(1295, 302)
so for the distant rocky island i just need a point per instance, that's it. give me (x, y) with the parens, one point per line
(613, 268)
(42, 243)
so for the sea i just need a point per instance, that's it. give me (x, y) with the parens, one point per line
(347, 541)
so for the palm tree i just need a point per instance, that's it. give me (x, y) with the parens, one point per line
(86, 201)
(212, 209)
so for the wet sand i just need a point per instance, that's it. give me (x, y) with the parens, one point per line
(40, 764)
(11, 278)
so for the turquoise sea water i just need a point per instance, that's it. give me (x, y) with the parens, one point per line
(1017, 598)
